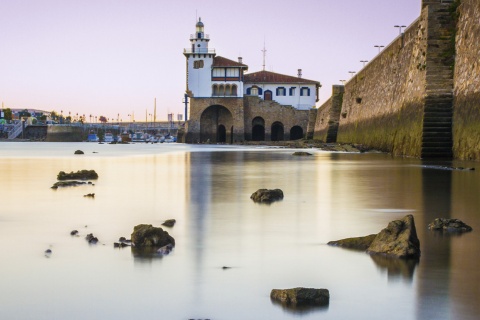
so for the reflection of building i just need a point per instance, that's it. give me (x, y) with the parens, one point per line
(227, 105)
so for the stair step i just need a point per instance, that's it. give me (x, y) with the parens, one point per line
(437, 130)
(437, 124)
(437, 139)
(441, 144)
(436, 119)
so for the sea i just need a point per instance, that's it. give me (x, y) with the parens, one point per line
(230, 252)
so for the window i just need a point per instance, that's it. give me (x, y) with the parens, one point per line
(221, 90)
(234, 90)
(233, 72)
(281, 91)
(304, 91)
(215, 90)
(218, 72)
(254, 91)
(291, 91)
(198, 64)
(228, 90)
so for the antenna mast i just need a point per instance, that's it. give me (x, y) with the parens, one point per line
(264, 54)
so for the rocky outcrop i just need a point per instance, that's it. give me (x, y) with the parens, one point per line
(358, 243)
(302, 153)
(89, 195)
(81, 175)
(399, 239)
(91, 238)
(145, 235)
(301, 296)
(449, 225)
(78, 152)
(267, 195)
(169, 223)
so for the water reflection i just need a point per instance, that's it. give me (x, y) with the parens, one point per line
(403, 269)
(299, 310)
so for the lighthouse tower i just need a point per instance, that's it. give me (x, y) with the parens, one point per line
(199, 64)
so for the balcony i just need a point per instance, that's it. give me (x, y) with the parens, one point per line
(198, 51)
(194, 36)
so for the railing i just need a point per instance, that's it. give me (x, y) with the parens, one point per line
(15, 132)
(198, 50)
(194, 36)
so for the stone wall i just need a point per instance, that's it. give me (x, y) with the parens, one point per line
(272, 112)
(382, 104)
(329, 116)
(65, 134)
(466, 117)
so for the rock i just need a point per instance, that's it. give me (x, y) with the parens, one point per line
(120, 245)
(78, 152)
(358, 243)
(90, 195)
(301, 296)
(145, 235)
(91, 239)
(72, 183)
(399, 239)
(302, 153)
(169, 223)
(74, 232)
(48, 251)
(449, 225)
(81, 174)
(266, 195)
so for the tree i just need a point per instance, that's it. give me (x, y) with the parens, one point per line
(53, 115)
(102, 119)
(24, 113)
(7, 114)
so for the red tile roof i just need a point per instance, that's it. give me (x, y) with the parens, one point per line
(272, 77)
(224, 62)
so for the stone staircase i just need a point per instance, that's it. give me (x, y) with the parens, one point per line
(438, 110)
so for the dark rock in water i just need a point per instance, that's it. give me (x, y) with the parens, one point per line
(449, 225)
(91, 239)
(48, 251)
(301, 296)
(302, 153)
(120, 245)
(145, 235)
(74, 232)
(79, 152)
(358, 243)
(90, 195)
(267, 195)
(72, 183)
(399, 239)
(169, 223)
(121, 239)
(225, 267)
(81, 174)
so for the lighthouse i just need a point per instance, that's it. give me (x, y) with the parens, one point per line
(199, 63)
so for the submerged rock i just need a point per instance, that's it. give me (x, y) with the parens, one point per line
(302, 153)
(169, 223)
(91, 238)
(399, 239)
(358, 243)
(74, 232)
(145, 235)
(449, 225)
(267, 195)
(81, 174)
(301, 296)
(90, 195)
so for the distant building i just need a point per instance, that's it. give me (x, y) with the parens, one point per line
(229, 105)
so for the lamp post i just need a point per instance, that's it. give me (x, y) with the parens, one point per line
(351, 73)
(364, 62)
(343, 81)
(379, 47)
(399, 29)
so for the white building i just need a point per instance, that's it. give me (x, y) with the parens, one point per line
(209, 76)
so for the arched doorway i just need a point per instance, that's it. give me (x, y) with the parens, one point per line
(296, 133)
(258, 129)
(267, 95)
(277, 131)
(221, 134)
(213, 123)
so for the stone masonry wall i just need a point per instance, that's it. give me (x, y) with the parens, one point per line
(321, 123)
(383, 103)
(466, 117)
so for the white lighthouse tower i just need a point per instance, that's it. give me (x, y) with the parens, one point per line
(199, 64)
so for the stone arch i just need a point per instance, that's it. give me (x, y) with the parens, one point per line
(277, 131)
(215, 90)
(234, 90)
(213, 123)
(258, 129)
(296, 132)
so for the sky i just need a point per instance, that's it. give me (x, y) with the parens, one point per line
(114, 57)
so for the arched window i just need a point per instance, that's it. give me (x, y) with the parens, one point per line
(234, 90)
(221, 90)
(215, 90)
(228, 90)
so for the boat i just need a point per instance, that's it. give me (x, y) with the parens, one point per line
(92, 137)
(169, 138)
(138, 137)
(108, 137)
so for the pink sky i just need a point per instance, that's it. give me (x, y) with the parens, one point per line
(110, 57)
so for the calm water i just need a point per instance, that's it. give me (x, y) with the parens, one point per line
(207, 190)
